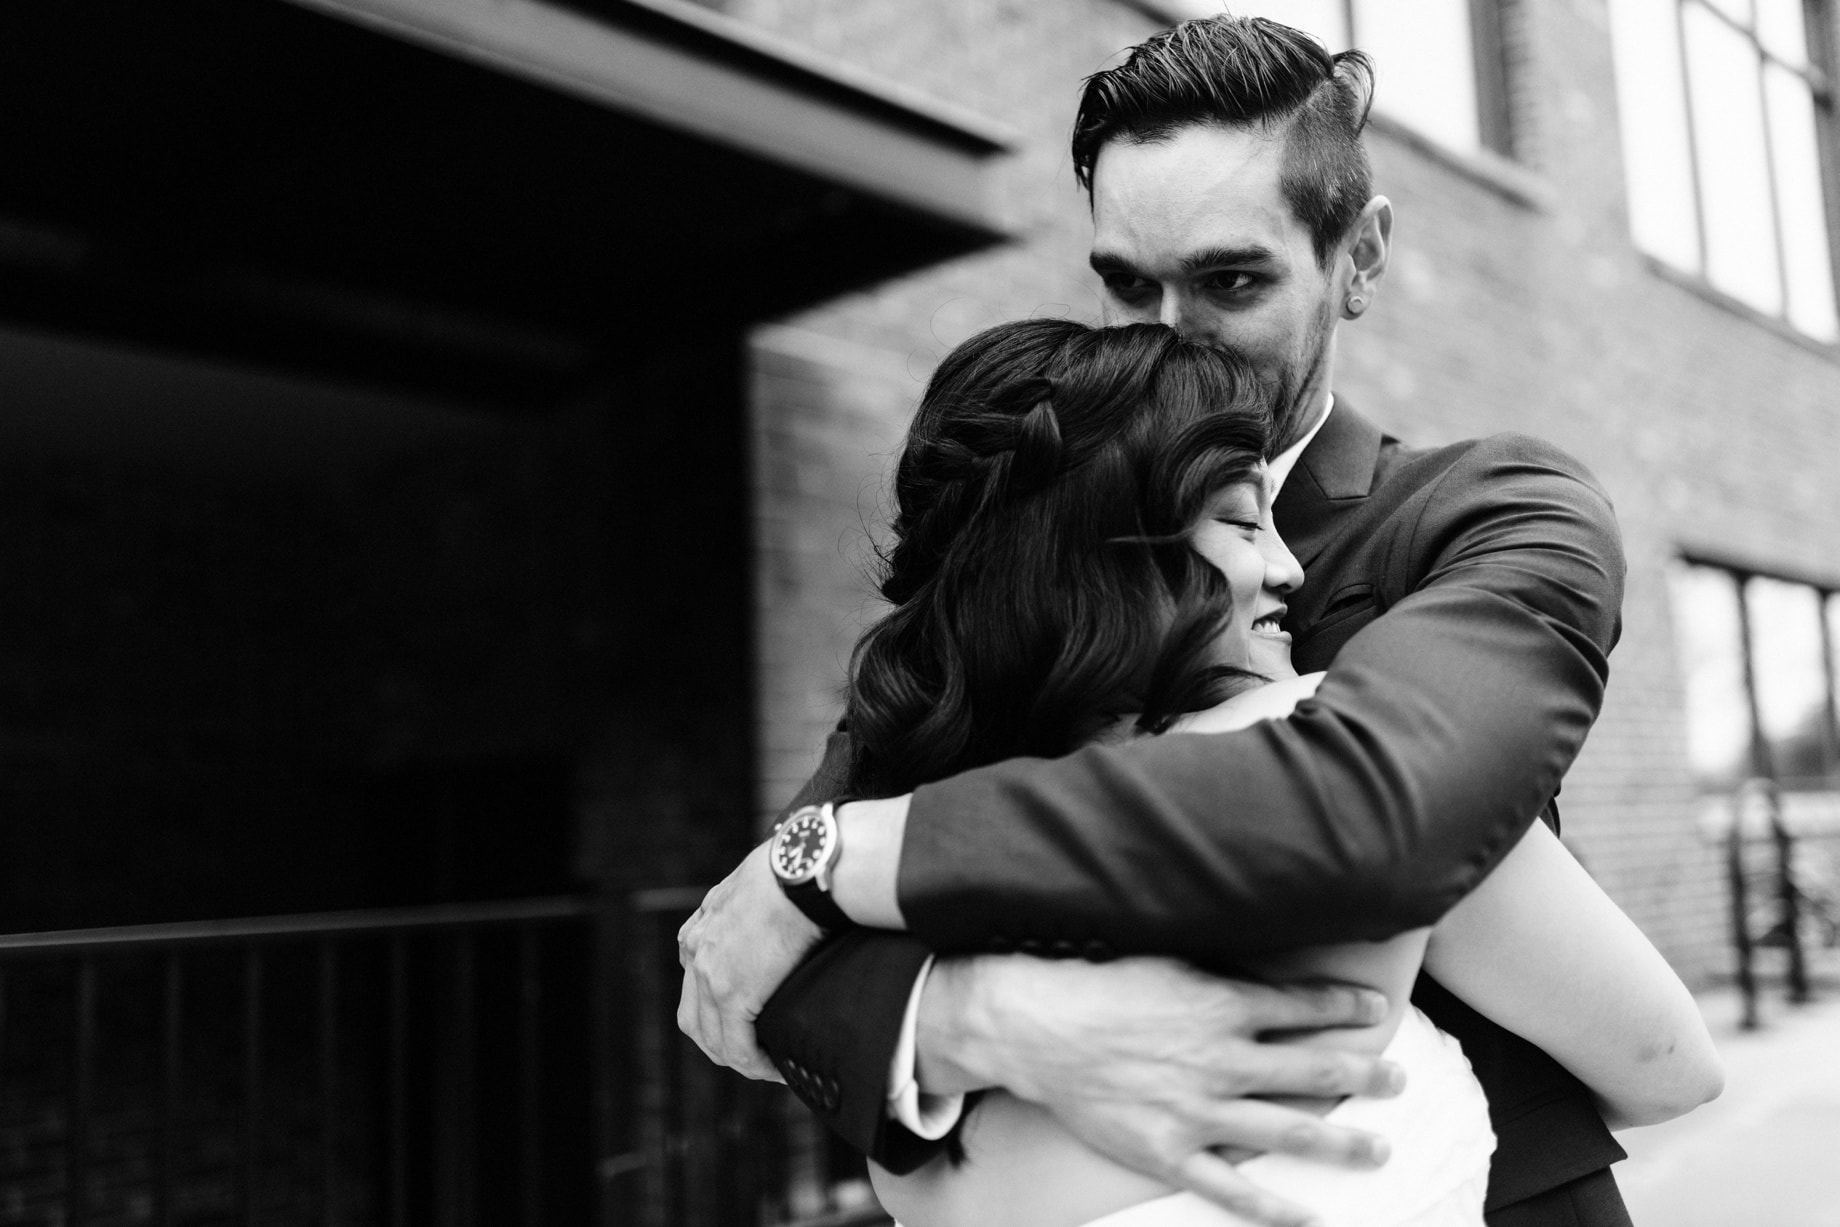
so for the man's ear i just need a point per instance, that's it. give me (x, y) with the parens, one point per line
(1367, 252)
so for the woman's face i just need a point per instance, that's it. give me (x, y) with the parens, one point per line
(1235, 534)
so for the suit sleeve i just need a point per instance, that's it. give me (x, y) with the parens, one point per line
(1441, 729)
(831, 1028)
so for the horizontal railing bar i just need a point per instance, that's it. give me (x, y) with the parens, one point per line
(667, 898)
(312, 924)
(866, 1216)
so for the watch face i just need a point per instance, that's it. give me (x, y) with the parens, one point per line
(801, 846)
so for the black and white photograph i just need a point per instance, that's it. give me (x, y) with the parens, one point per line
(920, 613)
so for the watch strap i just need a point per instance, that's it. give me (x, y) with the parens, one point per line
(817, 904)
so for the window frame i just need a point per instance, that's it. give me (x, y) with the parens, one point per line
(1488, 65)
(1761, 755)
(1821, 25)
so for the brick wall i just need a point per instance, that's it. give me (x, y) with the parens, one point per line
(1515, 301)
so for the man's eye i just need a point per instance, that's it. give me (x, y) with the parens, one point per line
(1125, 286)
(1231, 283)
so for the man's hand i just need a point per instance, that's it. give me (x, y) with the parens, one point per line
(1152, 1063)
(735, 950)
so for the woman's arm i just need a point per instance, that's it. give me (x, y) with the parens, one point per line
(1542, 951)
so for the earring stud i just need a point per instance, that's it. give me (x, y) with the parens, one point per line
(1356, 304)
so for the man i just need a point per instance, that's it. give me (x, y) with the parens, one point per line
(1231, 199)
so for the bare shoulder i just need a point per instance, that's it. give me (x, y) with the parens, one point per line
(1272, 701)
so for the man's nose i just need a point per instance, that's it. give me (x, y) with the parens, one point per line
(1192, 319)
(1172, 311)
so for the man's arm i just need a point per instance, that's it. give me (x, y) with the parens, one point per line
(1440, 731)
(1490, 672)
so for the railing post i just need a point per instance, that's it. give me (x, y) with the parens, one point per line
(82, 1092)
(173, 1040)
(617, 1163)
(252, 1080)
(653, 1067)
(465, 1170)
(1788, 897)
(530, 1089)
(399, 1081)
(1740, 911)
(328, 1080)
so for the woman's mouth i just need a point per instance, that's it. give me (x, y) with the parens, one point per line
(1270, 624)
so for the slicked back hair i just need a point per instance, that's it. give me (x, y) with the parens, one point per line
(1245, 72)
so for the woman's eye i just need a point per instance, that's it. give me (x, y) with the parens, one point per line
(1251, 526)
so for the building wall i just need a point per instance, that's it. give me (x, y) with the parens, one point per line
(1515, 301)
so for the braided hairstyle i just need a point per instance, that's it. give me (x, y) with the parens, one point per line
(1040, 571)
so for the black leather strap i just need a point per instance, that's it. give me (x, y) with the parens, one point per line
(817, 903)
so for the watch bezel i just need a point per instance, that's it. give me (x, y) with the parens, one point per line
(813, 868)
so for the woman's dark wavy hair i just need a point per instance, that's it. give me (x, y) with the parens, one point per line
(1041, 573)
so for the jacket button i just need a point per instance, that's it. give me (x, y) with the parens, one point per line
(1063, 949)
(1096, 951)
(1001, 945)
(1030, 945)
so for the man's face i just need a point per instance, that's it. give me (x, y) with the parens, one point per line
(1194, 232)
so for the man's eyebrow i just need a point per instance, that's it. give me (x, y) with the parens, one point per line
(1227, 257)
(1109, 262)
(1207, 258)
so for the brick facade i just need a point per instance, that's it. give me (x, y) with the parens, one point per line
(1515, 301)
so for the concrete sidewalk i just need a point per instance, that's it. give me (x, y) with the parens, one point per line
(1766, 1153)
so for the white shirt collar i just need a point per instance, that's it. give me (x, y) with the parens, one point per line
(1280, 466)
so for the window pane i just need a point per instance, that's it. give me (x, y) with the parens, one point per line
(1425, 65)
(1737, 10)
(1797, 156)
(1733, 171)
(1780, 26)
(1652, 107)
(1833, 679)
(1326, 19)
(1791, 686)
(1180, 9)
(1706, 634)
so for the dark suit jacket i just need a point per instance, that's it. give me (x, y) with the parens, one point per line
(1442, 730)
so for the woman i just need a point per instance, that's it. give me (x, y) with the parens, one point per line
(1083, 550)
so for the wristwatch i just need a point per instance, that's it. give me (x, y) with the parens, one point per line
(804, 852)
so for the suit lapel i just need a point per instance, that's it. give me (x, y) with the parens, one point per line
(1335, 472)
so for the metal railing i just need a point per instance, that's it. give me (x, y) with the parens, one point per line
(711, 1149)
(312, 1069)
(449, 1066)
(1782, 887)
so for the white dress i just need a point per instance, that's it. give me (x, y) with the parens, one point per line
(1437, 1175)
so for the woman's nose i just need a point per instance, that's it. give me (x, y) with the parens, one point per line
(1283, 573)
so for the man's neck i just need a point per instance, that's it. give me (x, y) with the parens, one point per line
(1307, 422)
(1284, 461)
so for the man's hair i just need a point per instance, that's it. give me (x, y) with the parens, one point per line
(1245, 72)
(1041, 571)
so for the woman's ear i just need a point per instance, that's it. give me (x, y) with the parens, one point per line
(1367, 253)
